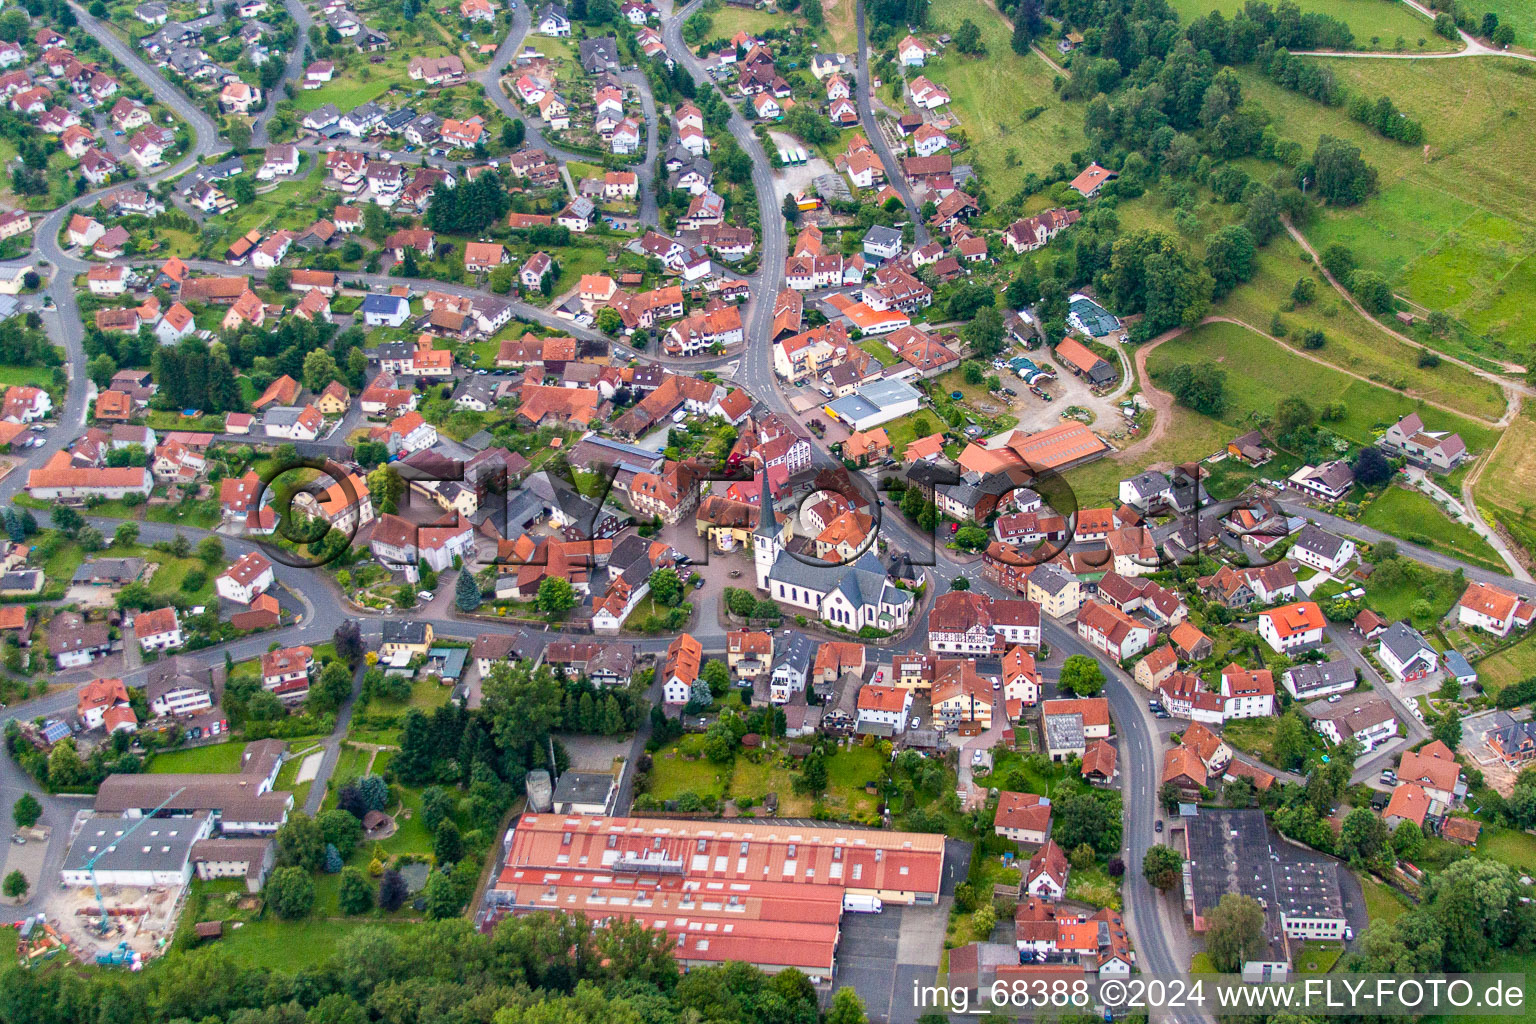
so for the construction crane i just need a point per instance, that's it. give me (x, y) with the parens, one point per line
(90, 865)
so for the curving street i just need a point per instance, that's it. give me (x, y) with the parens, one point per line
(893, 174)
(293, 72)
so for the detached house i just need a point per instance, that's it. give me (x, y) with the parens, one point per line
(158, 630)
(1494, 609)
(1322, 550)
(1406, 654)
(1440, 451)
(1292, 627)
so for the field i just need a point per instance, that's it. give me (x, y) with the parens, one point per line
(1510, 665)
(1260, 371)
(1505, 487)
(726, 21)
(1368, 19)
(839, 16)
(1190, 436)
(999, 99)
(1518, 13)
(363, 81)
(1352, 342)
(218, 757)
(1451, 224)
(1412, 516)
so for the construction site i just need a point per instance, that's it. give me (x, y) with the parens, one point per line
(123, 882)
(141, 921)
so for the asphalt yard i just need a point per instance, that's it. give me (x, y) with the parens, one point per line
(882, 956)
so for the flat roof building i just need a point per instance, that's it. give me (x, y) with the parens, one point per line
(1232, 850)
(158, 853)
(766, 894)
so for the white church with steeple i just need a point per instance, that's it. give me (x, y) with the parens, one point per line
(850, 596)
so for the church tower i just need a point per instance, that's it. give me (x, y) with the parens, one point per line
(765, 539)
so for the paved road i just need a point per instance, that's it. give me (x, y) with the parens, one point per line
(893, 173)
(490, 80)
(1463, 509)
(1360, 532)
(755, 373)
(292, 72)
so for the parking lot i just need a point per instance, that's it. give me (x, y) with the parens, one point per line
(882, 955)
(1066, 391)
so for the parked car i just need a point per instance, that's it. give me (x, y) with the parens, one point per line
(425, 595)
(1159, 826)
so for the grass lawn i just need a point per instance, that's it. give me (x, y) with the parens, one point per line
(287, 945)
(1396, 602)
(1013, 120)
(351, 88)
(1382, 903)
(27, 376)
(200, 517)
(219, 757)
(726, 21)
(1451, 223)
(847, 772)
(1200, 963)
(909, 428)
(1518, 13)
(1092, 885)
(1508, 666)
(1261, 371)
(1413, 516)
(756, 779)
(1353, 342)
(1503, 962)
(1190, 437)
(61, 566)
(673, 775)
(1318, 957)
(1366, 18)
(1511, 846)
(1252, 736)
(293, 204)
(426, 694)
(880, 350)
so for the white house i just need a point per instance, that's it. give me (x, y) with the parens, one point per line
(554, 22)
(385, 310)
(913, 52)
(1405, 653)
(1494, 609)
(1046, 875)
(1368, 720)
(1322, 550)
(885, 706)
(158, 630)
(247, 578)
(1292, 627)
(1246, 693)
